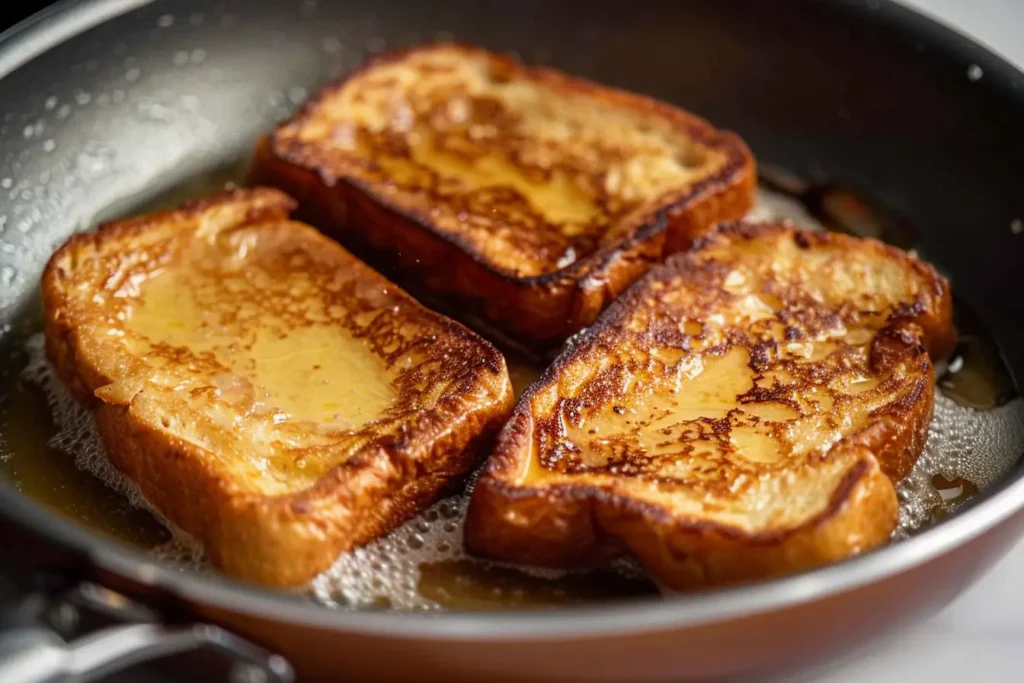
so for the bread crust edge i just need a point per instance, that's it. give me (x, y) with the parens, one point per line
(281, 541)
(578, 524)
(541, 310)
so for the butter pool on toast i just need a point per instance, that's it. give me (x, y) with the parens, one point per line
(266, 391)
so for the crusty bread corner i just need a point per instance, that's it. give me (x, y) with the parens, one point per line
(554, 494)
(491, 263)
(388, 469)
(574, 525)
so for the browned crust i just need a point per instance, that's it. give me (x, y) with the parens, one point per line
(580, 523)
(541, 310)
(283, 540)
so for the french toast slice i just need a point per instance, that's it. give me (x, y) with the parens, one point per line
(266, 391)
(742, 411)
(525, 198)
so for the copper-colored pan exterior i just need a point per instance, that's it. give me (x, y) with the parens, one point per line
(773, 641)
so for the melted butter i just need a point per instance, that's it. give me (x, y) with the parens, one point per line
(462, 584)
(482, 149)
(953, 490)
(697, 417)
(318, 374)
(669, 420)
(708, 393)
(660, 420)
(37, 465)
(554, 196)
(753, 444)
(311, 373)
(975, 375)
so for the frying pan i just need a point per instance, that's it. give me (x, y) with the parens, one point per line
(108, 99)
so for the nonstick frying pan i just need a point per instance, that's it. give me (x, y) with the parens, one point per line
(109, 99)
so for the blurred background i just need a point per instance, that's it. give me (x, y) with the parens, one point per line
(995, 22)
(14, 12)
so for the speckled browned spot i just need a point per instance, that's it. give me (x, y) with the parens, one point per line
(766, 443)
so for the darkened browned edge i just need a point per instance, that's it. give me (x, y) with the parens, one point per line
(574, 294)
(571, 520)
(740, 158)
(284, 541)
(397, 476)
(556, 495)
(937, 330)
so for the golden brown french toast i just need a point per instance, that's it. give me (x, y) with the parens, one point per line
(526, 198)
(266, 391)
(740, 412)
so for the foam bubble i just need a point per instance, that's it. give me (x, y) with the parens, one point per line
(387, 569)
(76, 435)
(979, 446)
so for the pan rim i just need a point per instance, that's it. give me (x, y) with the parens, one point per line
(103, 555)
(67, 18)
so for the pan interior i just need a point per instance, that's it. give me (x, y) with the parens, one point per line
(159, 107)
(976, 437)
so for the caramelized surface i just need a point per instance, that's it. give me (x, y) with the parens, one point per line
(264, 390)
(527, 168)
(753, 387)
(760, 362)
(283, 361)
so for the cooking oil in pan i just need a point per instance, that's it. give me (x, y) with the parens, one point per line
(50, 450)
(420, 565)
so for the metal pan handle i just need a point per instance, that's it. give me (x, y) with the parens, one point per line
(36, 654)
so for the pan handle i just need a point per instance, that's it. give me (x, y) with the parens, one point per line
(36, 653)
(39, 655)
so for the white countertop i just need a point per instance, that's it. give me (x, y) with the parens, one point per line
(979, 638)
(996, 24)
